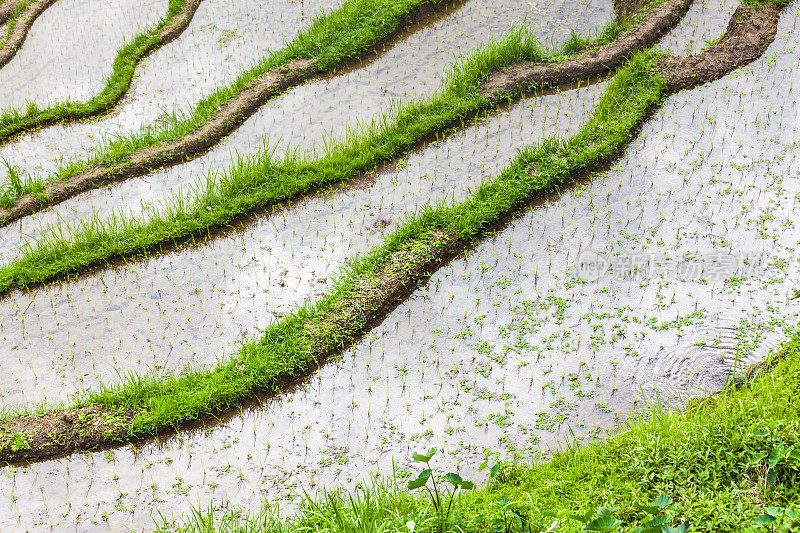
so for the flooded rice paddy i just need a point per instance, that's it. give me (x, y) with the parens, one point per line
(657, 279)
(70, 49)
(191, 306)
(300, 119)
(225, 38)
(705, 21)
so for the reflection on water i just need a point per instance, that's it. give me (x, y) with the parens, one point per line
(70, 48)
(301, 118)
(191, 306)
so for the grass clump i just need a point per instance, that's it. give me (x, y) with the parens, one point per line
(16, 185)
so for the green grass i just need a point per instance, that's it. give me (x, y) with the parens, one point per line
(711, 459)
(260, 181)
(780, 4)
(332, 39)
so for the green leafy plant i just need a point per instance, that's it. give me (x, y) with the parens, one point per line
(659, 517)
(495, 472)
(781, 455)
(774, 516)
(604, 521)
(514, 516)
(780, 458)
(442, 500)
(658, 520)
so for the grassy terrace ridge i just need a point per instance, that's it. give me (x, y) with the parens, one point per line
(259, 182)
(373, 285)
(332, 40)
(20, 17)
(728, 462)
(13, 122)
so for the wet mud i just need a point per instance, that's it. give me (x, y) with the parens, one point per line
(749, 33)
(6, 10)
(525, 74)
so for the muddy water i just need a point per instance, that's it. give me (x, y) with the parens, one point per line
(301, 118)
(191, 306)
(705, 21)
(225, 38)
(70, 49)
(715, 172)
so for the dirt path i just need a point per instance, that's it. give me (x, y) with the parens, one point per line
(39, 437)
(526, 75)
(179, 23)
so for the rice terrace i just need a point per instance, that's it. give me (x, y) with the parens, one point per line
(400, 265)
